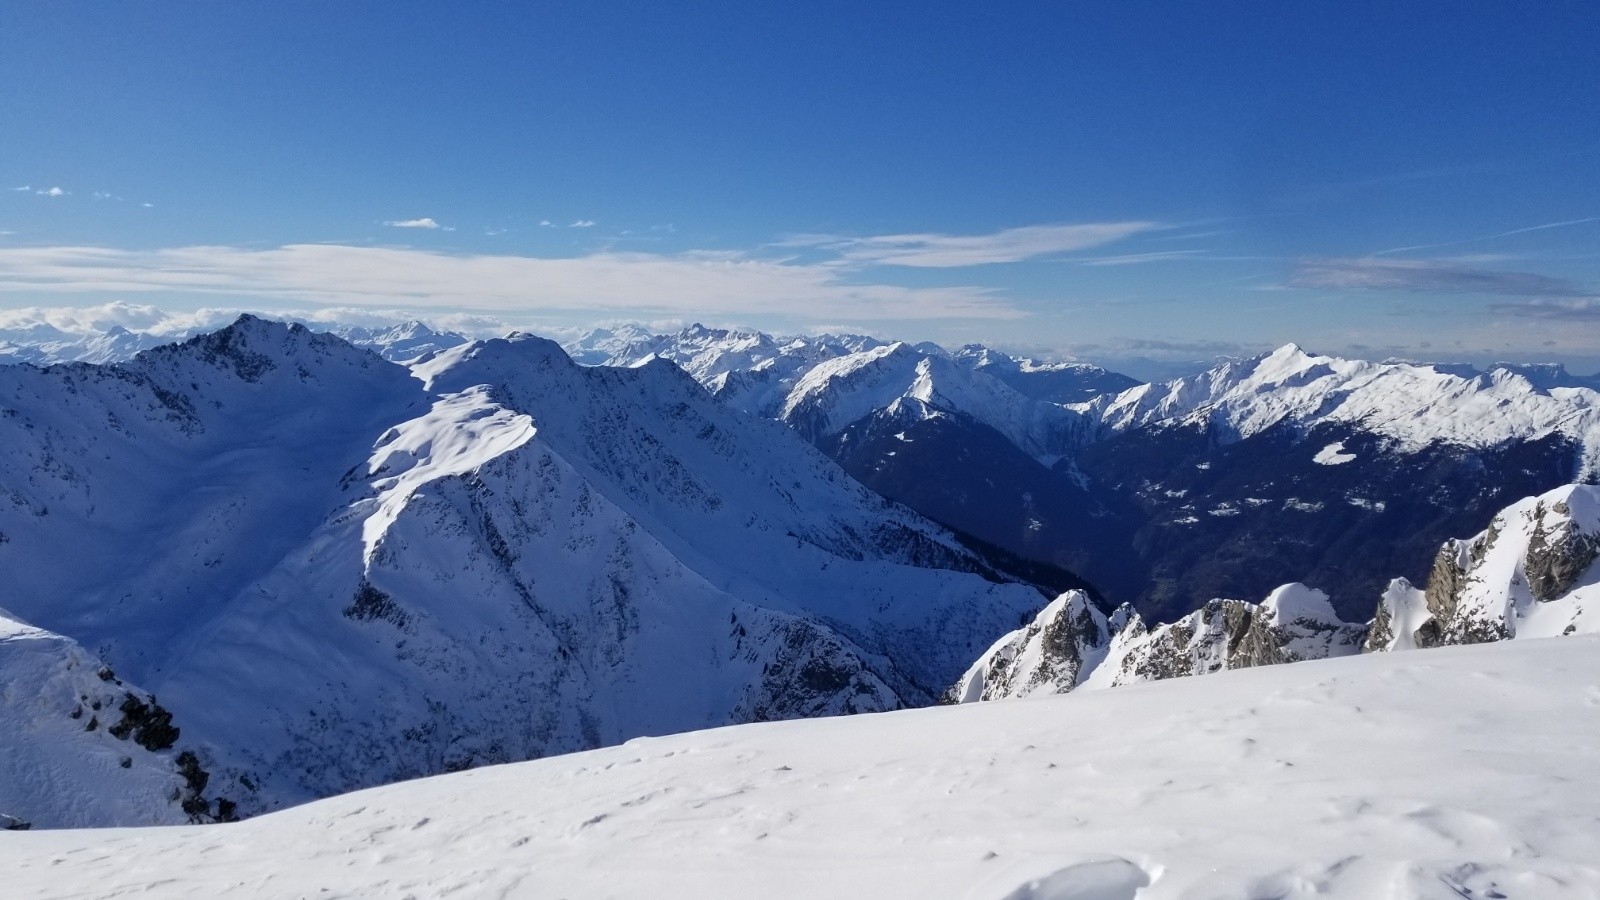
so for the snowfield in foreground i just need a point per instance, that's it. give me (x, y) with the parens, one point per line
(1459, 772)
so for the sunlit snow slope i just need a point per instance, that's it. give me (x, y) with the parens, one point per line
(1463, 772)
(338, 572)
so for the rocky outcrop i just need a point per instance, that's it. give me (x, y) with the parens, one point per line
(1531, 573)
(1071, 644)
(1052, 654)
(79, 747)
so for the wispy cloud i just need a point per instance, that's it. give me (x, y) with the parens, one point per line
(582, 223)
(1577, 309)
(691, 283)
(949, 250)
(1134, 259)
(52, 192)
(1428, 276)
(424, 222)
(1490, 237)
(23, 188)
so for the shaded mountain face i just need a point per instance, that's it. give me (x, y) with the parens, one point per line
(336, 571)
(1339, 473)
(1286, 467)
(1206, 518)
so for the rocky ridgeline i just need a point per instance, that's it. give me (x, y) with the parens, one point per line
(82, 748)
(1072, 644)
(1531, 573)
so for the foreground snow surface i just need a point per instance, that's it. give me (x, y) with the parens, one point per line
(1455, 772)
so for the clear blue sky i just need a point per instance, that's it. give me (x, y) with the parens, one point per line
(1101, 178)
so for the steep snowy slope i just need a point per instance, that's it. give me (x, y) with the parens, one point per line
(79, 748)
(1463, 772)
(1531, 573)
(337, 574)
(1071, 644)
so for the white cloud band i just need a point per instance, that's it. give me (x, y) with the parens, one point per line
(694, 283)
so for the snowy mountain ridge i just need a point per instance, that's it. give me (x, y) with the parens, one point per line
(495, 555)
(1411, 405)
(43, 344)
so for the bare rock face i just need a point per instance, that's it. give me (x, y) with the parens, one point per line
(1558, 558)
(1293, 623)
(1052, 654)
(1071, 644)
(1531, 573)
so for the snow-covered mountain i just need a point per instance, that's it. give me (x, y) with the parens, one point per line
(1410, 406)
(43, 345)
(1072, 644)
(79, 748)
(403, 342)
(1290, 466)
(966, 437)
(1464, 772)
(1298, 467)
(1531, 573)
(337, 571)
(841, 377)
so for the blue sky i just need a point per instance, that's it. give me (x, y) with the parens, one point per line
(1112, 180)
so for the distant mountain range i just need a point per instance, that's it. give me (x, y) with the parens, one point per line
(1289, 466)
(340, 561)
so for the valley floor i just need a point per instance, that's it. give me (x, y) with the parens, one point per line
(1449, 773)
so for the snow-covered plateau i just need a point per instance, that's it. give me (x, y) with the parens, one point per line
(1462, 772)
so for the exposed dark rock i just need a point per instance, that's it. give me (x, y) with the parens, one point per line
(371, 604)
(148, 724)
(1556, 560)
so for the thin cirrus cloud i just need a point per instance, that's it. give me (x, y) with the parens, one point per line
(424, 222)
(1428, 276)
(953, 250)
(689, 283)
(1576, 309)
